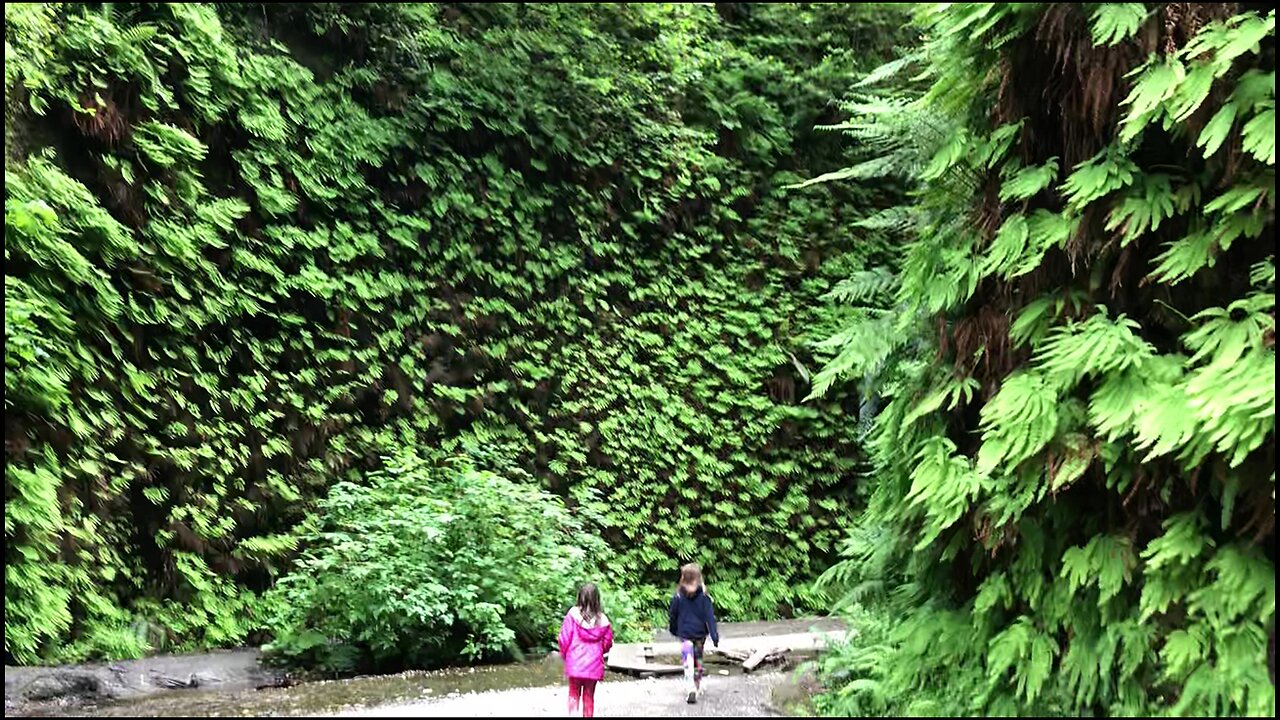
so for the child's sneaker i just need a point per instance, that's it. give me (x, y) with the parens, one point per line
(692, 697)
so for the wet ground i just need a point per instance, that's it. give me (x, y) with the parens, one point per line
(522, 690)
(736, 695)
(314, 698)
(526, 689)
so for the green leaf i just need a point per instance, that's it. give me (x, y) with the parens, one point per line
(1029, 181)
(1115, 22)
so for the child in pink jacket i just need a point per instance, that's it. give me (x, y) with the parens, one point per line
(585, 636)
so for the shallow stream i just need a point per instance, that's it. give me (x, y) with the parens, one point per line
(332, 696)
(319, 697)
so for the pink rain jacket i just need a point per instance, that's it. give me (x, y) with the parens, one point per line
(583, 647)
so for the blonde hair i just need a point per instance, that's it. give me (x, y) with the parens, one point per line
(691, 579)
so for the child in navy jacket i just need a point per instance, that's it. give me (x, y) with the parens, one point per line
(692, 619)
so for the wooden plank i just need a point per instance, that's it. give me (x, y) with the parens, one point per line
(735, 655)
(756, 658)
(639, 666)
(763, 655)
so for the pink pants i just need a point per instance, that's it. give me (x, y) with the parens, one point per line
(587, 690)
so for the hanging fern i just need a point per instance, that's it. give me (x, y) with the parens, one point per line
(1092, 531)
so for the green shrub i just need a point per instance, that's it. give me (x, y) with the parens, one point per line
(431, 560)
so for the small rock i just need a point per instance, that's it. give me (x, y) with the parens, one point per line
(724, 672)
(65, 683)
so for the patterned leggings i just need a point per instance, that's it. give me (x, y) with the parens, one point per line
(695, 647)
(587, 690)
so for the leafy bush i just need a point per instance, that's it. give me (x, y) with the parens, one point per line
(430, 560)
(1073, 504)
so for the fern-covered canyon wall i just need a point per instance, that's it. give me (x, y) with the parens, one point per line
(252, 250)
(1072, 508)
(371, 330)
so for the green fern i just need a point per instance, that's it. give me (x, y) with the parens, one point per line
(1082, 514)
(1115, 22)
(253, 267)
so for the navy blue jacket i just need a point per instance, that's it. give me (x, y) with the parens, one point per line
(692, 617)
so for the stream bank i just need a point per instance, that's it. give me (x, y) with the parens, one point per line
(234, 682)
(321, 697)
(70, 686)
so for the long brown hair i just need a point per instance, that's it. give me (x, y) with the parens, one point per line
(589, 603)
(691, 579)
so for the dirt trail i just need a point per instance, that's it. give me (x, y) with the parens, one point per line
(735, 695)
(223, 684)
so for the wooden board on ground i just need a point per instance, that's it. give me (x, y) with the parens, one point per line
(641, 666)
(735, 655)
(763, 655)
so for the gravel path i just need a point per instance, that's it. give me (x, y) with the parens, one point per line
(741, 695)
